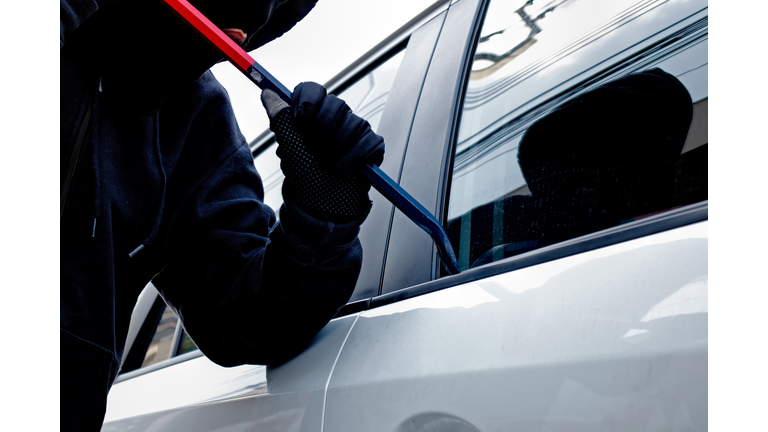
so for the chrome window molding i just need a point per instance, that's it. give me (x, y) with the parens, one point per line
(676, 218)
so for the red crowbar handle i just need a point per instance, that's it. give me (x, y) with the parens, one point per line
(264, 80)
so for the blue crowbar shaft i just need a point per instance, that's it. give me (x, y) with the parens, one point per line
(264, 80)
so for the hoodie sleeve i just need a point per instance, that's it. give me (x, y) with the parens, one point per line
(249, 290)
(73, 13)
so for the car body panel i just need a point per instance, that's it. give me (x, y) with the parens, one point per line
(611, 339)
(198, 395)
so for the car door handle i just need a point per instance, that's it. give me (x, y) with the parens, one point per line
(264, 80)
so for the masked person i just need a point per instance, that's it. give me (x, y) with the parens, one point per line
(158, 184)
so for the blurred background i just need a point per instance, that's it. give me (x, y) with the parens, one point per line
(333, 35)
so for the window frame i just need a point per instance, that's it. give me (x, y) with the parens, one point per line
(411, 255)
(677, 218)
(422, 253)
(149, 308)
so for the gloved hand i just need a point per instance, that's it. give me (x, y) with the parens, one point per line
(340, 141)
(339, 138)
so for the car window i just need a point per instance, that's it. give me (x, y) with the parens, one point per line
(186, 345)
(168, 340)
(162, 345)
(547, 150)
(367, 98)
(160, 337)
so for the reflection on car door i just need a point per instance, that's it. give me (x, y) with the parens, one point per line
(549, 347)
(198, 395)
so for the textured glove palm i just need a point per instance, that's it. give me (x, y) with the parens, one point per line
(321, 191)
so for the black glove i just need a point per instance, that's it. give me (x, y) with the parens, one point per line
(340, 141)
(321, 193)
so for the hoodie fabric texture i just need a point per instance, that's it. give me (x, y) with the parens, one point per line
(167, 192)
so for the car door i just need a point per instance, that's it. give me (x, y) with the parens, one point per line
(166, 383)
(602, 331)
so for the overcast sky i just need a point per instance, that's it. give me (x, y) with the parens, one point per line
(333, 35)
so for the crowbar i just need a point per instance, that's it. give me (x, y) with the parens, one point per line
(264, 80)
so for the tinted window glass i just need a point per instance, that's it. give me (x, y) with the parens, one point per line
(162, 346)
(561, 132)
(366, 97)
(169, 340)
(186, 345)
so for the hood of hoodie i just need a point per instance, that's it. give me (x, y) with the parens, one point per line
(143, 51)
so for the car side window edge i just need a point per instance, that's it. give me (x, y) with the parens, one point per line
(682, 217)
(502, 101)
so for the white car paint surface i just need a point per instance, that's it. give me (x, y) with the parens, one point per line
(198, 395)
(611, 339)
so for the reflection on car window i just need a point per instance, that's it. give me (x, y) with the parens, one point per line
(169, 339)
(613, 149)
(367, 98)
(187, 344)
(162, 345)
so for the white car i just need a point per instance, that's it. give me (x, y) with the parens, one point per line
(602, 331)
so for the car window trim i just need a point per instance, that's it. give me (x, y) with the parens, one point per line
(159, 365)
(411, 257)
(676, 218)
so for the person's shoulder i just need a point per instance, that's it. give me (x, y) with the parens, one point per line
(204, 93)
(209, 86)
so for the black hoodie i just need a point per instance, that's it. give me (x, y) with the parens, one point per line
(158, 184)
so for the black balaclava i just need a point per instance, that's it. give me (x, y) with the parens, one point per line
(143, 51)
